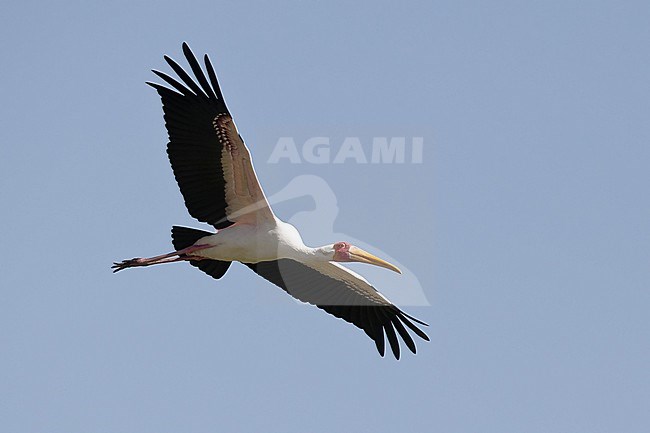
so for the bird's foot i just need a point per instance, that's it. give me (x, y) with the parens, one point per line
(131, 263)
(176, 256)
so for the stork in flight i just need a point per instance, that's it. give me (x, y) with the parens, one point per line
(214, 171)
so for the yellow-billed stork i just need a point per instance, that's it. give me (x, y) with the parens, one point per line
(214, 171)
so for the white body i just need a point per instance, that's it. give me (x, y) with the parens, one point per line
(266, 241)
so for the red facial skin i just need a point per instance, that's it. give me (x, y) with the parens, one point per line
(342, 252)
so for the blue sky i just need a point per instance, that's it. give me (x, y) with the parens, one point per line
(526, 226)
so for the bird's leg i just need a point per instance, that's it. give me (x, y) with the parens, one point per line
(176, 256)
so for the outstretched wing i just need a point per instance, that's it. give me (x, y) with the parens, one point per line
(212, 166)
(346, 295)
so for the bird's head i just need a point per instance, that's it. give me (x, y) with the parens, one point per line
(345, 252)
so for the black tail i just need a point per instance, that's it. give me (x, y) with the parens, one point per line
(183, 237)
